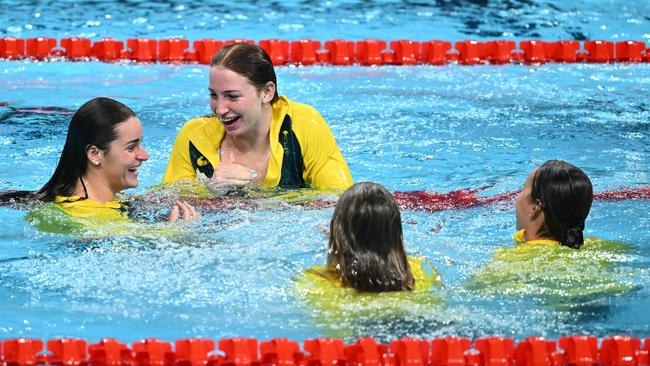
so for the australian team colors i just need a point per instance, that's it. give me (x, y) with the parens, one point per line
(580, 350)
(341, 52)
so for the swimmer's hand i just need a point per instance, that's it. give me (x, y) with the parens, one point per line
(227, 172)
(182, 211)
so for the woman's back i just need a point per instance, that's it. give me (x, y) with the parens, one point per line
(546, 270)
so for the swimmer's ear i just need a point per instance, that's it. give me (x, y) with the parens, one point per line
(268, 92)
(94, 154)
(536, 208)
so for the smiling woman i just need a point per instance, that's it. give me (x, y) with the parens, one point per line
(255, 136)
(101, 157)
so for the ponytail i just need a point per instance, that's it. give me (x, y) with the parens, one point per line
(573, 238)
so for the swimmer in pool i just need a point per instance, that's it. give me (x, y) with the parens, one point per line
(368, 274)
(552, 259)
(101, 157)
(256, 137)
(366, 249)
(554, 205)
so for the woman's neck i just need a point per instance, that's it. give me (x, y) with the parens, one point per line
(532, 234)
(256, 139)
(92, 187)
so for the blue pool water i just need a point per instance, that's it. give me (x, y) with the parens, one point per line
(348, 19)
(410, 128)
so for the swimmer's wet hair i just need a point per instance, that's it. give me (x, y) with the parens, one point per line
(366, 247)
(565, 193)
(93, 124)
(248, 60)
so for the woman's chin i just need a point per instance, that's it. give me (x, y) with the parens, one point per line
(234, 128)
(130, 184)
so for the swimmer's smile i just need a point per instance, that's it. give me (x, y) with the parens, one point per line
(228, 121)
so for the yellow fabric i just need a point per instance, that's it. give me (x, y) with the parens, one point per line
(73, 214)
(558, 274)
(519, 239)
(325, 293)
(86, 217)
(324, 165)
(79, 208)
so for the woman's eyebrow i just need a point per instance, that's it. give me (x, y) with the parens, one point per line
(134, 141)
(224, 92)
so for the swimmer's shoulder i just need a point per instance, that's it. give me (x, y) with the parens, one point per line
(302, 115)
(595, 243)
(319, 278)
(51, 217)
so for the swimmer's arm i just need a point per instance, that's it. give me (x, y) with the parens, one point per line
(334, 174)
(325, 167)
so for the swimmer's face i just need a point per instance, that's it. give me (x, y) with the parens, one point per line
(120, 164)
(524, 204)
(239, 105)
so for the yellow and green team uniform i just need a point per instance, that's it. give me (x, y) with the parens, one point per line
(337, 307)
(547, 270)
(115, 210)
(303, 150)
(76, 214)
(84, 216)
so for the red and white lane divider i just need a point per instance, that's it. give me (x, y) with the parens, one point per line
(450, 351)
(369, 52)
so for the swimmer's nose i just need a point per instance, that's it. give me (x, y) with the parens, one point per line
(221, 108)
(143, 154)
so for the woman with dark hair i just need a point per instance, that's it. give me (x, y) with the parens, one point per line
(256, 136)
(554, 204)
(552, 259)
(101, 157)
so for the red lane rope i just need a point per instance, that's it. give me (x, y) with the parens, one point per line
(431, 201)
(623, 194)
(583, 350)
(421, 200)
(366, 52)
(409, 201)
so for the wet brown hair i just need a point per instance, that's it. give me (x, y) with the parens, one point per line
(248, 60)
(366, 248)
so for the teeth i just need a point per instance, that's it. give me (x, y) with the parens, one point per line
(228, 120)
